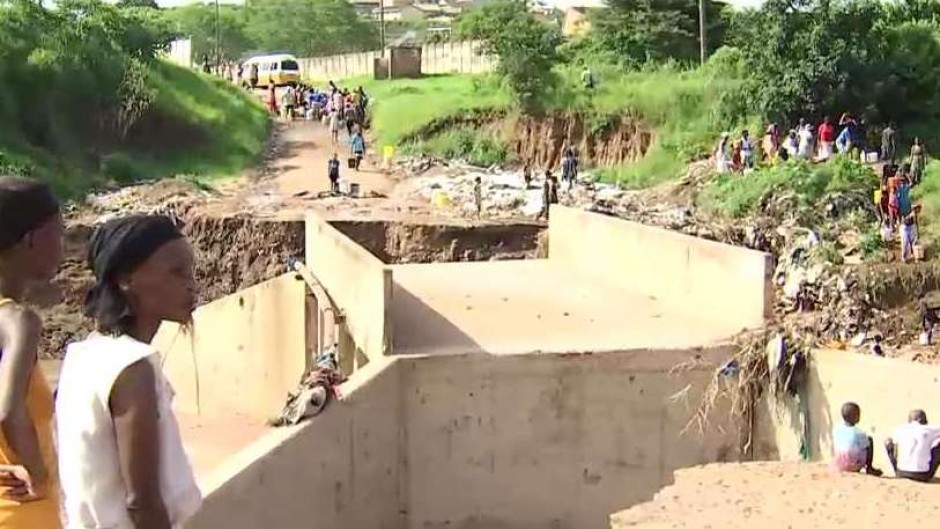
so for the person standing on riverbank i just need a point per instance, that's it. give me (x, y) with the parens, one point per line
(357, 146)
(31, 251)
(918, 161)
(332, 170)
(478, 195)
(549, 195)
(889, 147)
(827, 139)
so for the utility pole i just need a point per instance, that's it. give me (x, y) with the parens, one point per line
(701, 29)
(218, 53)
(382, 24)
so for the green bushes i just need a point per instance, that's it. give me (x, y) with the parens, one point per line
(476, 147)
(526, 48)
(736, 195)
(84, 98)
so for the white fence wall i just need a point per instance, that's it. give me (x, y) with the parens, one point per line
(445, 57)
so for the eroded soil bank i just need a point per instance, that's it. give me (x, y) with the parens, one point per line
(234, 253)
(541, 141)
(396, 242)
(231, 254)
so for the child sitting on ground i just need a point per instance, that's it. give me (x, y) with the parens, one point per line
(853, 449)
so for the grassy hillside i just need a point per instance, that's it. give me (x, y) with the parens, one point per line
(232, 125)
(684, 108)
(196, 125)
(85, 101)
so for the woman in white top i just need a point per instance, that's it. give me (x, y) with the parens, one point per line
(122, 463)
(722, 154)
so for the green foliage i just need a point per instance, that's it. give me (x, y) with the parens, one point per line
(871, 245)
(680, 108)
(84, 99)
(197, 22)
(464, 143)
(808, 58)
(927, 193)
(148, 4)
(636, 32)
(526, 48)
(306, 28)
(736, 195)
(401, 108)
(310, 28)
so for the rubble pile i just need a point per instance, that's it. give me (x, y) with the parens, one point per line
(164, 197)
(817, 246)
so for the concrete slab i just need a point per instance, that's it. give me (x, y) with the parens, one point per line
(512, 307)
(209, 441)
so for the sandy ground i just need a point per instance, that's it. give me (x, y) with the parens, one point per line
(784, 496)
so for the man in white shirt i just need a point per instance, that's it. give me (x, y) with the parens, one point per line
(914, 448)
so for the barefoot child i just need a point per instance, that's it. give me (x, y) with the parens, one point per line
(853, 450)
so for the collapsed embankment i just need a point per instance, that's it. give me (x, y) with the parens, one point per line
(231, 254)
(234, 253)
(541, 140)
(395, 242)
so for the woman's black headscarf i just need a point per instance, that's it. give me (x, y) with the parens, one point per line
(117, 248)
(24, 206)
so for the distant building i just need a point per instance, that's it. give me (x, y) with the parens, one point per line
(577, 21)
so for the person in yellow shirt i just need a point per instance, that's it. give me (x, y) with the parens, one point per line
(30, 253)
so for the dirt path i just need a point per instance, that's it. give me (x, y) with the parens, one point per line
(295, 177)
(302, 167)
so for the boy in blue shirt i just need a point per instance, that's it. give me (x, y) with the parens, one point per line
(853, 449)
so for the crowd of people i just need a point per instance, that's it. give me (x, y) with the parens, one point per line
(913, 448)
(897, 215)
(816, 144)
(339, 109)
(116, 459)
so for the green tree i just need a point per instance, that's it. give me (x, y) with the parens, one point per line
(526, 49)
(640, 31)
(197, 22)
(806, 58)
(310, 28)
(150, 4)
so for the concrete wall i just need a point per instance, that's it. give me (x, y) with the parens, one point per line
(478, 441)
(707, 277)
(549, 441)
(244, 353)
(885, 389)
(447, 57)
(340, 470)
(359, 283)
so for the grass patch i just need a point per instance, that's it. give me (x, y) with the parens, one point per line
(737, 195)
(464, 143)
(927, 193)
(197, 126)
(683, 107)
(402, 107)
(233, 124)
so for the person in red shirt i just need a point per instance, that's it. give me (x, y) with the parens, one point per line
(827, 139)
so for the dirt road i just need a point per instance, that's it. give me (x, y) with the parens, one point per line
(295, 176)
